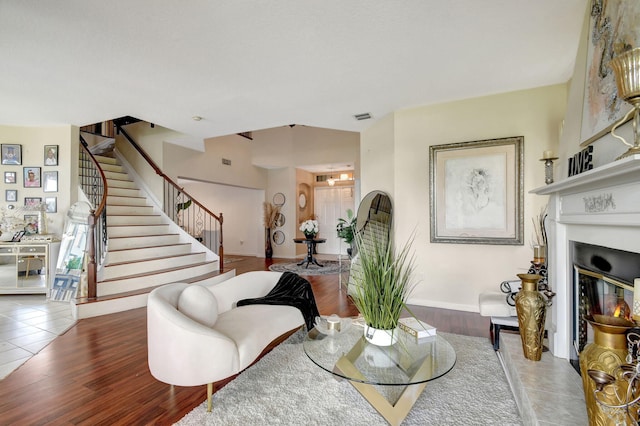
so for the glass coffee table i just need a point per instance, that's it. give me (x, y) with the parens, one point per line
(390, 378)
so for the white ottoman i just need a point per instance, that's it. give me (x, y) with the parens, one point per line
(503, 315)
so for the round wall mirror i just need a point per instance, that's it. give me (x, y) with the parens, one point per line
(279, 199)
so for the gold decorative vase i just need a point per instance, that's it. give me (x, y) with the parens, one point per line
(531, 308)
(605, 355)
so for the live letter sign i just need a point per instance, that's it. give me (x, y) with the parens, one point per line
(581, 162)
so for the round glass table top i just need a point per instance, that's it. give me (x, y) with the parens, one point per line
(348, 355)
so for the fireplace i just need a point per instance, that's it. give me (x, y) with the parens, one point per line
(603, 283)
(593, 231)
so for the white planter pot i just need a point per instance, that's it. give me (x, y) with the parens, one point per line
(378, 337)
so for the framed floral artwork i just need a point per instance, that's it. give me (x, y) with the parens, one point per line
(476, 192)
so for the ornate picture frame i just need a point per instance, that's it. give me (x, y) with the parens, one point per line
(476, 192)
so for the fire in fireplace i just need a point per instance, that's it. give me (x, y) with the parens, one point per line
(602, 284)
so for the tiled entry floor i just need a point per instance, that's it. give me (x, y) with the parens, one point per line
(28, 323)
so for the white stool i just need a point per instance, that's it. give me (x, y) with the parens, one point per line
(503, 315)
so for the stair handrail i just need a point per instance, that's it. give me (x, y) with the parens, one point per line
(171, 187)
(95, 189)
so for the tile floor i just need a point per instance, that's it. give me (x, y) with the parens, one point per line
(28, 323)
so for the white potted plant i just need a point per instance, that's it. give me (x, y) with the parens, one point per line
(381, 287)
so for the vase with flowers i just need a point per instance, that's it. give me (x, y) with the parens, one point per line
(309, 228)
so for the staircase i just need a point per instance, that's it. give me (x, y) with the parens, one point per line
(145, 249)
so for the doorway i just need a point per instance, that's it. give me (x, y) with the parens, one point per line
(332, 203)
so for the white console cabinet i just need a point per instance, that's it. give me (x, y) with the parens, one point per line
(27, 267)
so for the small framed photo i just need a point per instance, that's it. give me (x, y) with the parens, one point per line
(11, 154)
(11, 195)
(31, 224)
(50, 181)
(31, 177)
(51, 155)
(32, 201)
(9, 177)
(52, 204)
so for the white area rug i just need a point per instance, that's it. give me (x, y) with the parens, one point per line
(286, 388)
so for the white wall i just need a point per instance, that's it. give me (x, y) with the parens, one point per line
(239, 205)
(300, 146)
(453, 275)
(377, 159)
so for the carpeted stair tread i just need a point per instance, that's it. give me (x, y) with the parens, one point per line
(157, 271)
(146, 290)
(193, 253)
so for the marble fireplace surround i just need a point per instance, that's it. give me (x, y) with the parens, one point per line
(599, 207)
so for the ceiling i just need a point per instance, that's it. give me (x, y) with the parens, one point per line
(251, 65)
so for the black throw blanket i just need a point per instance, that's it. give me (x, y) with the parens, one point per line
(290, 290)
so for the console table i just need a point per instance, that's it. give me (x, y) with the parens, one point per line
(27, 267)
(311, 244)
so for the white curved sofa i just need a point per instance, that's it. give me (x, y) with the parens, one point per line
(196, 335)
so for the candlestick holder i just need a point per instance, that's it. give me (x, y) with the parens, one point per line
(540, 268)
(548, 169)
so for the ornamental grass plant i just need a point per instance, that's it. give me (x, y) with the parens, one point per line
(383, 282)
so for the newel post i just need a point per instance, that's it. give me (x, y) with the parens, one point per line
(91, 253)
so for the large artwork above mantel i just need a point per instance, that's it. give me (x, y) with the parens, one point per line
(613, 26)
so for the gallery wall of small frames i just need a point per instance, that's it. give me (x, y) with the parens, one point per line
(30, 185)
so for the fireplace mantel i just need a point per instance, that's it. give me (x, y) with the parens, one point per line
(616, 173)
(607, 195)
(599, 207)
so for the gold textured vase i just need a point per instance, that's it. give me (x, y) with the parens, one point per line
(607, 352)
(531, 308)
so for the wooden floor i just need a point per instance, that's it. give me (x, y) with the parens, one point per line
(97, 374)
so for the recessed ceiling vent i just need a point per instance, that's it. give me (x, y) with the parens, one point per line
(363, 116)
